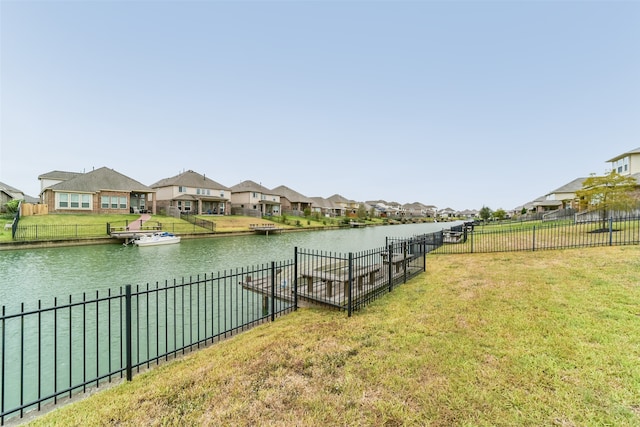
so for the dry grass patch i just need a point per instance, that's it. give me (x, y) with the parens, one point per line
(545, 338)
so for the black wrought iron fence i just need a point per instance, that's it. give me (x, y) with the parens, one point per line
(199, 222)
(50, 353)
(544, 236)
(58, 231)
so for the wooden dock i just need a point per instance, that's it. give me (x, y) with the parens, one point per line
(129, 235)
(320, 287)
(265, 228)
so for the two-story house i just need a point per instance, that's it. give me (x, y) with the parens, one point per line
(191, 192)
(252, 199)
(626, 163)
(561, 198)
(102, 190)
(7, 194)
(292, 202)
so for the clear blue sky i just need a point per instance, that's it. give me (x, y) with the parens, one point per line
(453, 104)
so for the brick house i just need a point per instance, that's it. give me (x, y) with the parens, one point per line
(102, 191)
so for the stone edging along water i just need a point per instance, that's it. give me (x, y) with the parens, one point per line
(35, 244)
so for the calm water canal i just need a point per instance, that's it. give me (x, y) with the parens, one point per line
(29, 275)
(62, 349)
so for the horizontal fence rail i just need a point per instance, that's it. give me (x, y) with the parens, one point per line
(48, 354)
(543, 236)
(58, 231)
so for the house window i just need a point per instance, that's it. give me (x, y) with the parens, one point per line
(182, 189)
(114, 202)
(123, 203)
(104, 202)
(222, 194)
(73, 201)
(197, 191)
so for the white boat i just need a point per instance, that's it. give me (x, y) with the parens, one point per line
(160, 238)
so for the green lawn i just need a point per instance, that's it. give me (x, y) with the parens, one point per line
(91, 226)
(520, 339)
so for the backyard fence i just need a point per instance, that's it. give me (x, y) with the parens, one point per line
(48, 354)
(542, 236)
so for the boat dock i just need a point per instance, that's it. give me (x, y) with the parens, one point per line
(129, 235)
(265, 228)
(319, 287)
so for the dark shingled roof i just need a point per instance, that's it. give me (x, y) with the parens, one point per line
(618, 157)
(59, 175)
(248, 185)
(190, 179)
(101, 179)
(291, 195)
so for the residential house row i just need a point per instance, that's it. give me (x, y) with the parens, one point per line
(105, 190)
(564, 197)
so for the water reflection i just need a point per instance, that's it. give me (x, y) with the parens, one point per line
(29, 275)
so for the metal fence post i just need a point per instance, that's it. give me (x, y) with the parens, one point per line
(533, 248)
(610, 231)
(295, 278)
(389, 272)
(424, 253)
(404, 262)
(472, 233)
(350, 309)
(273, 290)
(128, 330)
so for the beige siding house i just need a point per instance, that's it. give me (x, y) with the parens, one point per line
(561, 198)
(7, 194)
(292, 202)
(191, 192)
(627, 163)
(100, 191)
(250, 198)
(324, 207)
(52, 178)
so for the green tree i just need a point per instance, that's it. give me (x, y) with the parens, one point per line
(12, 206)
(500, 214)
(613, 192)
(485, 213)
(307, 212)
(362, 211)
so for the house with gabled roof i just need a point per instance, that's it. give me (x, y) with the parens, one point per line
(446, 213)
(347, 207)
(252, 199)
(322, 206)
(52, 178)
(416, 209)
(191, 192)
(292, 201)
(563, 197)
(626, 163)
(7, 194)
(102, 190)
